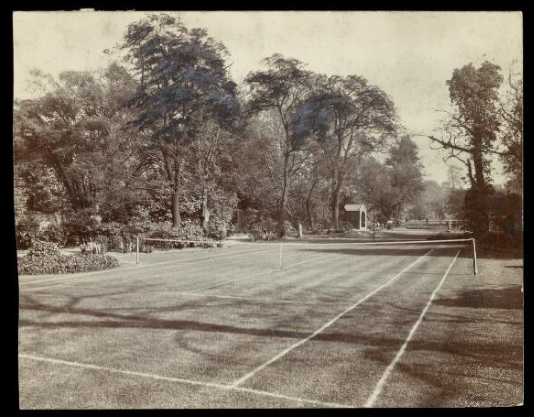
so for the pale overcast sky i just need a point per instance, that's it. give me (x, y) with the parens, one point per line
(409, 55)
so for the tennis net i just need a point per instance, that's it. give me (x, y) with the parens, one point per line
(288, 253)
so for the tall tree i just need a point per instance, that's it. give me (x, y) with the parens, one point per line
(453, 176)
(69, 129)
(405, 169)
(183, 84)
(389, 187)
(471, 132)
(281, 88)
(511, 113)
(354, 118)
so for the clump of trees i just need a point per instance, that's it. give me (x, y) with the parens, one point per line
(487, 121)
(166, 143)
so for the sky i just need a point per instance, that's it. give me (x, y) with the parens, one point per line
(410, 55)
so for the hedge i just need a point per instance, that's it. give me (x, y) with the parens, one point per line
(46, 258)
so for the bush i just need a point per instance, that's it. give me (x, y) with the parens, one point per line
(217, 230)
(39, 249)
(263, 229)
(505, 243)
(46, 258)
(53, 233)
(188, 231)
(93, 247)
(27, 230)
(288, 228)
(146, 248)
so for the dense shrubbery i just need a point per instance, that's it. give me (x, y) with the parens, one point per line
(46, 258)
(217, 230)
(262, 229)
(505, 243)
(28, 231)
(95, 237)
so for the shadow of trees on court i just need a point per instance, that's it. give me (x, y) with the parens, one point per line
(506, 297)
(495, 357)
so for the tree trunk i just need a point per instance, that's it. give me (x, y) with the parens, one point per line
(176, 218)
(205, 215)
(283, 200)
(175, 201)
(282, 211)
(336, 197)
(308, 205)
(481, 197)
(309, 214)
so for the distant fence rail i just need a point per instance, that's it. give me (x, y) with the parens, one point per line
(437, 224)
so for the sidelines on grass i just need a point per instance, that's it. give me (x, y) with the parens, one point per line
(129, 269)
(380, 385)
(392, 243)
(180, 380)
(183, 262)
(259, 274)
(325, 326)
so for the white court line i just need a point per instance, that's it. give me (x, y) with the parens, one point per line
(146, 266)
(257, 275)
(311, 336)
(378, 389)
(189, 263)
(264, 300)
(195, 292)
(141, 266)
(180, 380)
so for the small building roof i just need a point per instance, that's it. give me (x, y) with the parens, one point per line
(354, 207)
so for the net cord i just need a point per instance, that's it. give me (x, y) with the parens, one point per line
(473, 253)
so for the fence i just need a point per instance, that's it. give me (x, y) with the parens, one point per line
(460, 225)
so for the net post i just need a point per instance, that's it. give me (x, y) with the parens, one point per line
(475, 271)
(280, 255)
(137, 250)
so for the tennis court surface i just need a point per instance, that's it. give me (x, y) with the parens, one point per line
(339, 325)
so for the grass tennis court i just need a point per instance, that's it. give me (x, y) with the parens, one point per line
(337, 326)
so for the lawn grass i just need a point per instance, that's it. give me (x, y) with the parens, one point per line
(205, 321)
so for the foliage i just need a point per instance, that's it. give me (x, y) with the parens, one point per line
(65, 134)
(183, 84)
(456, 204)
(27, 230)
(280, 90)
(351, 119)
(506, 212)
(471, 132)
(511, 129)
(388, 188)
(93, 247)
(163, 148)
(498, 242)
(46, 258)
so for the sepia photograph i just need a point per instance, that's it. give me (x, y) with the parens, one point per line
(268, 209)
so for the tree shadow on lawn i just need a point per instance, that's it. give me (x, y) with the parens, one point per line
(507, 297)
(376, 347)
(495, 299)
(379, 348)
